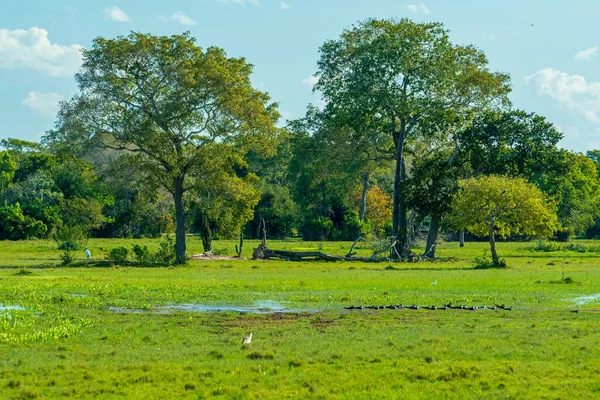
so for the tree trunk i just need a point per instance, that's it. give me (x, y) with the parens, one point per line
(180, 250)
(363, 200)
(432, 235)
(239, 251)
(205, 233)
(495, 259)
(399, 223)
(461, 238)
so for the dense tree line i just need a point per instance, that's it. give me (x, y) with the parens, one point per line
(166, 137)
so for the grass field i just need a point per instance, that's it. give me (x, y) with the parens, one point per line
(105, 331)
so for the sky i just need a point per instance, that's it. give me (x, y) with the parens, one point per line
(551, 48)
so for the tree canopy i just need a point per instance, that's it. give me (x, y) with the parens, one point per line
(408, 80)
(169, 102)
(164, 136)
(498, 205)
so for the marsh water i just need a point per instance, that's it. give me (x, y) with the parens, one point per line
(258, 307)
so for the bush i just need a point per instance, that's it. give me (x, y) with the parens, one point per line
(353, 227)
(582, 248)
(547, 246)
(69, 245)
(485, 262)
(165, 255)
(141, 254)
(66, 258)
(118, 255)
(219, 251)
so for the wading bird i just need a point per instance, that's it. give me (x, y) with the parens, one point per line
(247, 339)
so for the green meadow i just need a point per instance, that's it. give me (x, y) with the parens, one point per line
(108, 331)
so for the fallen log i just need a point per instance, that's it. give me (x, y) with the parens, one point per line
(264, 253)
(383, 254)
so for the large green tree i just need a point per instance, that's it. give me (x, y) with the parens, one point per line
(7, 170)
(521, 144)
(576, 192)
(164, 99)
(223, 199)
(514, 143)
(503, 142)
(409, 78)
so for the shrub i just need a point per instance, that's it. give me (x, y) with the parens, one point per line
(578, 247)
(353, 227)
(66, 258)
(141, 254)
(165, 254)
(485, 262)
(582, 248)
(68, 245)
(118, 255)
(23, 272)
(219, 251)
(547, 246)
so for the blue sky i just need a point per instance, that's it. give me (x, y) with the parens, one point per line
(551, 48)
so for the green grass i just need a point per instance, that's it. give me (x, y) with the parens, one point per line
(66, 343)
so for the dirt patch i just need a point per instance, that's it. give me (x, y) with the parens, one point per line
(321, 324)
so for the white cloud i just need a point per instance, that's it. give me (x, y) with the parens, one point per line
(311, 80)
(418, 8)
(114, 13)
(32, 49)
(45, 104)
(283, 5)
(572, 92)
(587, 53)
(241, 2)
(182, 19)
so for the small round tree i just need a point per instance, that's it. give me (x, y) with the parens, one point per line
(498, 205)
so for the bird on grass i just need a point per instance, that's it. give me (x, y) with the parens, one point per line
(434, 282)
(247, 339)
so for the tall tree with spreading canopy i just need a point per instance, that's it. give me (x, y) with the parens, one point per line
(499, 205)
(502, 142)
(409, 78)
(167, 101)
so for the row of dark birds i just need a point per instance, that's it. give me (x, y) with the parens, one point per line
(448, 306)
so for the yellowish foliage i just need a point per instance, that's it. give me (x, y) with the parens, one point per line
(511, 205)
(379, 205)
